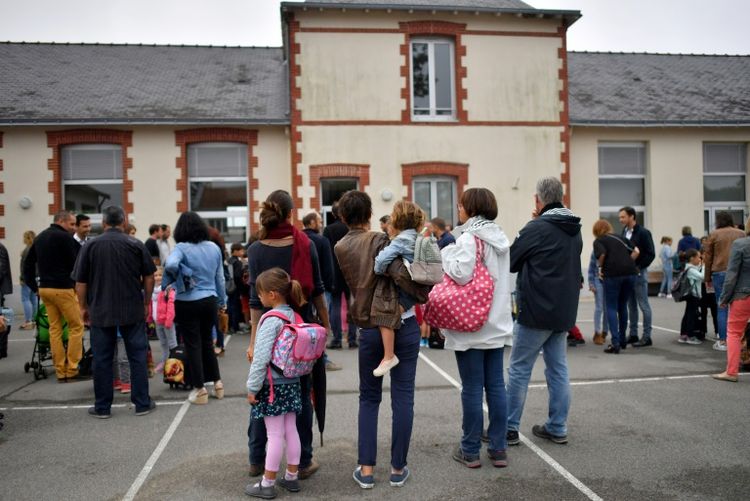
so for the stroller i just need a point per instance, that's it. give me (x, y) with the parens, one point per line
(42, 352)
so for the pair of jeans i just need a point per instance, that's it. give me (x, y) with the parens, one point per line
(481, 373)
(30, 303)
(527, 342)
(617, 293)
(708, 303)
(718, 282)
(103, 340)
(196, 320)
(402, 376)
(257, 434)
(739, 314)
(601, 323)
(640, 300)
(334, 313)
(691, 322)
(666, 281)
(62, 304)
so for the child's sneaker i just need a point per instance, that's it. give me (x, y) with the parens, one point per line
(125, 388)
(694, 340)
(683, 338)
(718, 346)
(385, 367)
(117, 384)
(669, 296)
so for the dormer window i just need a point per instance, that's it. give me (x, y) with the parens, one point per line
(433, 79)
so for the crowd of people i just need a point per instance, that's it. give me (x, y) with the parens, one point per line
(115, 285)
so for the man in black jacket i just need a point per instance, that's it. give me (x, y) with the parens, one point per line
(54, 254)
(639, 237)
(547, 257)
(335, 232)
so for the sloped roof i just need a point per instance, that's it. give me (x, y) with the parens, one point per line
(86, 83)
(658, 89)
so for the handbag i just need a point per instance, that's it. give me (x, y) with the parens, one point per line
(462, 308)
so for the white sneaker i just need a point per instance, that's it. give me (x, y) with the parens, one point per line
(693, 340)
(661, 294)
(719, 347)
(385, 367)
(669, 296)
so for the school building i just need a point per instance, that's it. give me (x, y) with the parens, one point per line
(416, 99)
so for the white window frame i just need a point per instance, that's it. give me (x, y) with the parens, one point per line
(96, 217)
(433, 116)
(433, 180)
(728, 204)
(640, 209)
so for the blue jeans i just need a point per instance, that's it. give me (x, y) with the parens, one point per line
(617, 293)
(103, 342)
(526, 345)
(402, 393)
(30, 302)
(257, 437)
(640, 300)
(482, 372)
(718, 281)
(666, 281)
(334, 313)
(601, 323)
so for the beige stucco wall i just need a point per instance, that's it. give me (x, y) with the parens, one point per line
(512, 78)
(498, 158)
(674, 175)
(273, 171)
(353, 84)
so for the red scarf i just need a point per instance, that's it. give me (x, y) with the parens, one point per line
(301, 259)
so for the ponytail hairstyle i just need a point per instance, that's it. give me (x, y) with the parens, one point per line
(274, 211)
(277, 280)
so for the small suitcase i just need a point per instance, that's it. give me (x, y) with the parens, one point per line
(176, 369)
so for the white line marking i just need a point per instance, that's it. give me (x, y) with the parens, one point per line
(20, 340)
(539, 452)
(66, 407)
(130, 495)
(665, 329)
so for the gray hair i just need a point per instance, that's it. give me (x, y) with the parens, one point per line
(549, 190)
(113, 215)
(61, 216)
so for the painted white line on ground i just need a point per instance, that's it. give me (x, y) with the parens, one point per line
(539, 452)
(66, 407)
(20, 340)
(665, 329)
(130, 495)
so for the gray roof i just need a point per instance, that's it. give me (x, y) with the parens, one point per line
(658, 89)
(488, 4)
(61, 83)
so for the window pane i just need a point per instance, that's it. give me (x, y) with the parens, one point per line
(423, 197)
(420, 76)
(92, 198)
(723, 188)
(628, 160)
(217, 195)
(332, 189)
(217, 160)
(232, 229)
(443, 77)
(724, 158)
(621, 192)
(92, 161)
(445, 201)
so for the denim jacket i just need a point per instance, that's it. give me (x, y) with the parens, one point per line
(205, 261)
(737, 279)
(402, 245)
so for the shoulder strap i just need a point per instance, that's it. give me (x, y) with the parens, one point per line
(276, 314)
(620, 239)
(480, 249)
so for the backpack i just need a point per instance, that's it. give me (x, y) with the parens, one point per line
(681, 287)
(229, 284)
(176, 370)
(427, 268)
(676, 263)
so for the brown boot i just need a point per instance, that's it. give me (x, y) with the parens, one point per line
(598, 338)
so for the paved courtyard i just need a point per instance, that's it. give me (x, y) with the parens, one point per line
(648, 424)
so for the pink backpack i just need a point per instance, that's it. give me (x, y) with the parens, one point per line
(296, 348)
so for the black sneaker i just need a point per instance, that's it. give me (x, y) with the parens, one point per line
(512, 437)
(541, 432)
(468, 461)
(642, 343)
(632, 340)
(499, 458)
(353, 345)
(334, 345)
(99, 415)
(290, 485)
(147, 410)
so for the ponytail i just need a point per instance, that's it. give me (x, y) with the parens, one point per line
(296, 297)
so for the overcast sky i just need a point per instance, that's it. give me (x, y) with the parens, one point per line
(677, 26)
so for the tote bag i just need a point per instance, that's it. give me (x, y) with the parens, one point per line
(462, 308)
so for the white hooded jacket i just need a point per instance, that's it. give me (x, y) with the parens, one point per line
(458, 263)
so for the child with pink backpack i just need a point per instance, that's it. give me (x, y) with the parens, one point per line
(162, 311)
(285, 348)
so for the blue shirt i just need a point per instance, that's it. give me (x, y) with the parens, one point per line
(205, 261)
(445, 240)
(402, 245)
(688, 242)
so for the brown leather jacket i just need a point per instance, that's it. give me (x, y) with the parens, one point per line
(716, 253)
(375, 300)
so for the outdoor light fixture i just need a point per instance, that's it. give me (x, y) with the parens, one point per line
(386, 195)
(25, 202)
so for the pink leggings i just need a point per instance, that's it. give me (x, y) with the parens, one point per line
(279, 428)
(739, 314)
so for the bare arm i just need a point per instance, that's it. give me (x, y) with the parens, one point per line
(321, 308)
(148, 289)
(81, 289)
(255, 315)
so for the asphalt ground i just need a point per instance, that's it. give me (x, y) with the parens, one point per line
(646, 424)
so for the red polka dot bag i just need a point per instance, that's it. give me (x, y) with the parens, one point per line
(462, 308)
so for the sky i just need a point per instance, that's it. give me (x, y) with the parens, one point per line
(675, 26)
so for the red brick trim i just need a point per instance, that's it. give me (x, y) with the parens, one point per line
(317, 172)
(296, 114)
(2, 190)
(57, 139)
(452, 30)
(562, 53)
(455, 170)
(218, 135)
